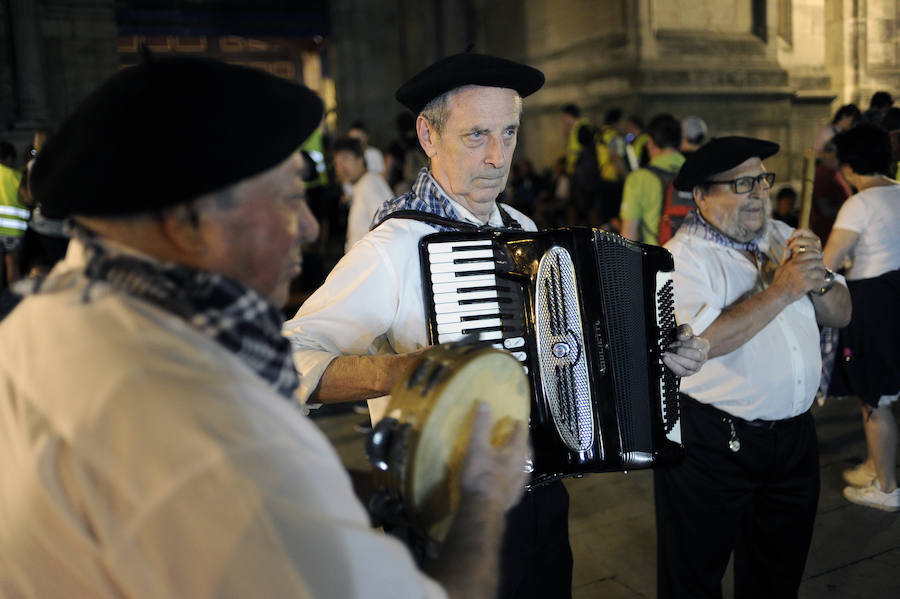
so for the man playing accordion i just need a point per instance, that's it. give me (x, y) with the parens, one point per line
(354, 338)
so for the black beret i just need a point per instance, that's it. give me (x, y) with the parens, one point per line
(467, 69)
(167, 131)
(718, 155)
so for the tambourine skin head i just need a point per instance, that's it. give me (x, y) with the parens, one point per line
(437, 404)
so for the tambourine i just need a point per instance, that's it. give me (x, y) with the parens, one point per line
(419, 447)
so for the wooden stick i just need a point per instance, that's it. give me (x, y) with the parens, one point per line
(806, 191)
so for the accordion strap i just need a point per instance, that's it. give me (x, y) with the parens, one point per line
(441, 221)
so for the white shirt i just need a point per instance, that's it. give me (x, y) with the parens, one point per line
(142, 459)
(874, 214)
(775, 374)
(369, 193)
(371, 303)
(374, 160)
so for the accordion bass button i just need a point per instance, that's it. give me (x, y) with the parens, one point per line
(514, 342)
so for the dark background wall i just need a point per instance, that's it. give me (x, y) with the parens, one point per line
(772, 68)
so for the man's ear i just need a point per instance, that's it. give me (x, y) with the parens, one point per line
(427, 136)
(182, 225)
(699, 198)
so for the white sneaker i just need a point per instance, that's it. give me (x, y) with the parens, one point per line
(860, 476)
(872, 496)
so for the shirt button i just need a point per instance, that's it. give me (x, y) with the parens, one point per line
(794, 348)
(799, 382)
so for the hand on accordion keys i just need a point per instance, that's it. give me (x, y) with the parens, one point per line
(687, 353)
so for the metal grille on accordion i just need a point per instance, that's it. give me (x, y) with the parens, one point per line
(588, 314)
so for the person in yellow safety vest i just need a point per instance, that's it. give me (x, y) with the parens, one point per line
(636, 138)
(13, 214)
(572, 124)
(611, 151)
(314, 146)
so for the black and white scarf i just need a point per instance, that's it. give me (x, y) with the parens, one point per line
(233, 315)
(426, 201)
(695, 224)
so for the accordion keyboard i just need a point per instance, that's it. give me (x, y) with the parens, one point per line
(470, 300)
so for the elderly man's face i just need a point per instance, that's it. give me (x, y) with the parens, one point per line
(740, 216)
(258, 238)
(470, 159)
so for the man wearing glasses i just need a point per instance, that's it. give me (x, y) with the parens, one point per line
(757, 290)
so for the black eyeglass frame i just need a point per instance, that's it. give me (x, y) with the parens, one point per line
(769, 178)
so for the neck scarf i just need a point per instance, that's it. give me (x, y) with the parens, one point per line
(233, 315)
(426, 197)
(695, 224)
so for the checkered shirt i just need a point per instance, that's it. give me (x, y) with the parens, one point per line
(425, 196)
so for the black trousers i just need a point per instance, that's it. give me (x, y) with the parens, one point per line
(535, 559)
(759, 502)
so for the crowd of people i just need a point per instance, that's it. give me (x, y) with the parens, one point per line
(155, 430)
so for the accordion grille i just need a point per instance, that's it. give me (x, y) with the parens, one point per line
(560, 347)
(623, 305)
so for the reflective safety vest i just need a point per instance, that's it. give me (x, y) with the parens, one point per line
(13, 213)
(573, 147)
(315, 147)
(609, 137)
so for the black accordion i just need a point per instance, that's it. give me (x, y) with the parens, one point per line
(588, 313)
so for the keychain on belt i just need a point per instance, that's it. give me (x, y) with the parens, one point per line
(734, 444)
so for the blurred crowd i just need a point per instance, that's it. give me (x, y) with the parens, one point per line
(602, 180)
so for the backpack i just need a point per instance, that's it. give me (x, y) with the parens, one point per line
(675, 205)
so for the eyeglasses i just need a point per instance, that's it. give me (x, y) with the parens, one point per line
(746, 184)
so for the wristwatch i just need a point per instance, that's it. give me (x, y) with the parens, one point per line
(829, 283)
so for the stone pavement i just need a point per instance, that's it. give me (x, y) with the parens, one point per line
(855, 551)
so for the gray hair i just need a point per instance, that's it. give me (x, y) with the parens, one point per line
(437, 110)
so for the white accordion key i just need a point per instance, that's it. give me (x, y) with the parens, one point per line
(443, 247)
(451, 257)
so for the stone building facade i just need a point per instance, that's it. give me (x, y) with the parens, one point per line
(52, 54)
(770, 68)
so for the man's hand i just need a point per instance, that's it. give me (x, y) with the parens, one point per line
(802, 269)
(492, 480)
(687, 353)
(494, 474)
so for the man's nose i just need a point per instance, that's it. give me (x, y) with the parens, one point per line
(494, 153)
(309, 226)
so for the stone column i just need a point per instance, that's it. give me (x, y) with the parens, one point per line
(30, 91)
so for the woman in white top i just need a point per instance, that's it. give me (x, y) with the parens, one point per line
(867, 230)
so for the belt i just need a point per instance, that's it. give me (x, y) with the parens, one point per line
(772, 424)
(757, 423)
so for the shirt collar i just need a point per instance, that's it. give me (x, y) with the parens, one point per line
(437, 192)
